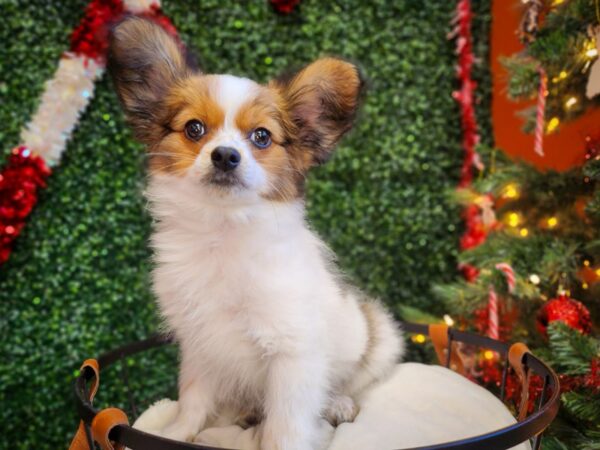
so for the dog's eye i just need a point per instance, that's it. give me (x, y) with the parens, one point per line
(194, 129)
(261, 137)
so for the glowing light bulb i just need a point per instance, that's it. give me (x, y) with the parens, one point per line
(598, 272)
(524, 232)
(584, 285)
(591, 52)
(561, 76)
(586, 263)
(511, 191)
(552, 222)
(535, 279)
(553, 124)
(513, 219)
(572, 101)
(418, 338)
(557, 2)
(488, 354)
(448, 320)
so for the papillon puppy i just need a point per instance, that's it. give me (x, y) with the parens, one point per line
(265, 323)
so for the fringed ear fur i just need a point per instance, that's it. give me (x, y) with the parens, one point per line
(321, 101)
(145, 62)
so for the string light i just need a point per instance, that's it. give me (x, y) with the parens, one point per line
(535, 279)
(561, 76)
(448, 320)
(552, 222)
(591, 52)
(557, 2)
(513, 219)
(598, 272)
(584, 285)
(418, 338)
(524, 232)
(572, 101)
(510, 191)
(553, 124)
(586, 263)
(488, 354)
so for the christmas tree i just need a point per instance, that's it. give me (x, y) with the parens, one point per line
(548, 232)
(531, 250)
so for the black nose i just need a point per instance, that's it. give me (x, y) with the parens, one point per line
(225, 158)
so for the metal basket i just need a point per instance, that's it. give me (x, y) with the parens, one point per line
(109, 428)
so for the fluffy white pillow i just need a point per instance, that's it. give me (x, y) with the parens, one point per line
(418, 405)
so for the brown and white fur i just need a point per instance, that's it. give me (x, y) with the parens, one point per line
(250, 292)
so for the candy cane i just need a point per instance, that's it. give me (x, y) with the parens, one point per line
(65, 97)
(540, 113)
(493, 321)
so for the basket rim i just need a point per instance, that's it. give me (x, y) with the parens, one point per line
(501, 439)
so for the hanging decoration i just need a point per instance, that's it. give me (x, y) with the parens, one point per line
(540, 113)
(564, 309)
(473, 214)
(493, 323)
(464, 96)
(64, 99)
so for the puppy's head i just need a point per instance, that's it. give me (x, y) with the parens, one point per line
(227, 135)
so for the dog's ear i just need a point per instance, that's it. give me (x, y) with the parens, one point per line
(145, 62)
(321, 100)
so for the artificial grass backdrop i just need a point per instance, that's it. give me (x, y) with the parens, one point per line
(77, 283)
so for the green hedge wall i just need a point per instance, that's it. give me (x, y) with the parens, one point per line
(77, 283)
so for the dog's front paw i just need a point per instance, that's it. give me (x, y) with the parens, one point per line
(341, 409)
(180, 430)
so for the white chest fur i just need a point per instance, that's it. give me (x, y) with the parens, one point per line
(238, 284)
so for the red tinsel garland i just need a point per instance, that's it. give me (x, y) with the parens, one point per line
(475, 231)
(19, 182)
(90, 37)
(464, 96)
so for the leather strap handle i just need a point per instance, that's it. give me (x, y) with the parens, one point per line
(103, 422)
(102, 425)
(80, 440)
(438, 332)
(516, 354)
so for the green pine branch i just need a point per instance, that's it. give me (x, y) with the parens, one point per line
(571, 351)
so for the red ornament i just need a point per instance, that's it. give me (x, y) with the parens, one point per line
(19, 183)
(284, 6)
(469, 272)
(566, 310)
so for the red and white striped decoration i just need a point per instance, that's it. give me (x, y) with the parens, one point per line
(493, 322)
(540, 113)
(493, 327)
(65, 98)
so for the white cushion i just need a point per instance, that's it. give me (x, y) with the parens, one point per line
(418, 405)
